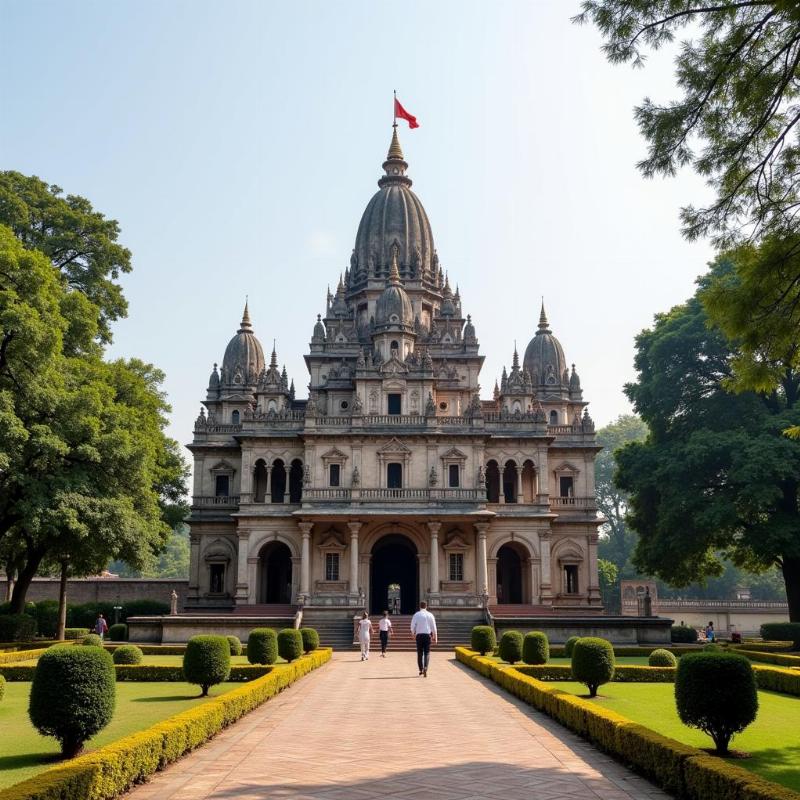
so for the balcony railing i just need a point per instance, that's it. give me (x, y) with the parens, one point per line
(425, 495)
(207, 501)
(577, 503)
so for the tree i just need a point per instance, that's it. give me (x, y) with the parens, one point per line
(736, 120)
(715, 477)
(618, 541)
(609, 584)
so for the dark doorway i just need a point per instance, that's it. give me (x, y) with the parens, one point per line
(394, 561)
(492, 482)
(275, 581)
(509, 575)
(278, 481)
(296, 481)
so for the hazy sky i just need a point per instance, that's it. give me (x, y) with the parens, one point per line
(238, 143)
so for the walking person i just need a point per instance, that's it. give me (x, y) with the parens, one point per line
(710, 634)
(384, 631)
(423, 627)
(364, 632)
(100, 626)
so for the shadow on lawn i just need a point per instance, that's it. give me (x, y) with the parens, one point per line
(777, 764)
(167, 698)
(25, 760)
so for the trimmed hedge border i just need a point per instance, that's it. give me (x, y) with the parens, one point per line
(677, 768)
(622, 674)
(769, 658)
(21, 655)
(111, 770)
(146, 673)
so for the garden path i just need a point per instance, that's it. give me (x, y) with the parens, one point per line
(355, 730)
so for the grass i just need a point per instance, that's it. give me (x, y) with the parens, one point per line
(167, 661)
(24, 752)
(771, 740)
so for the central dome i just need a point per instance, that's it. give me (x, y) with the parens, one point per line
(394, 216)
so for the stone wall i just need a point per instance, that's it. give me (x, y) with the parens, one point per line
(107, 590)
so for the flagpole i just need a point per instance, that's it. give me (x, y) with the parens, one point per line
(394, 109)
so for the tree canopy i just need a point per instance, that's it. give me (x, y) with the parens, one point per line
(715, 477)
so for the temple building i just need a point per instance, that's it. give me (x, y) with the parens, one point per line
(394, 481)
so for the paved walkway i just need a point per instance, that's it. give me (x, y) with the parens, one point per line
(355, 730)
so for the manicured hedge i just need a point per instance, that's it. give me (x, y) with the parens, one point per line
(128, 654)
(207, 661)
(290, 644)
(310, 639)
(20, 655)
(626, 674)
(535, 648)
(2, 686)
(118, 632)
(92, 640)
(785, 631)
(75, 633)
(592, 662)
(235, 645)
(483, 639)
(770, 658)
(679, 769)
(109, 771)
(262, 646)
(144, 673)
(569, 644)
(683, 633)
(776, 679)
(764, 647)
(662, 658)
(511, 646)
(17, 627)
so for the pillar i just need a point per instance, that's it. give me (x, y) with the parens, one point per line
(544, 545)
(519, 483)
(242, 583)
(594, 578)
(354, 529)
(434, 528)
(305, 560)
(194, 566)
(482, 577)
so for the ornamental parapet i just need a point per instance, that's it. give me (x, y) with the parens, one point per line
(382, 495)
(212, 501)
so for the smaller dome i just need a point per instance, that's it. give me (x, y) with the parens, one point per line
(244, 356)
(319, 329)
(393, 309)
(544, 356)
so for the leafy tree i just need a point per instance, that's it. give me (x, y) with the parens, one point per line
(618, 541)
(715, 475)
(735, 121)
(609, 584)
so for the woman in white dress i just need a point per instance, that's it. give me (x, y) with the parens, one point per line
(364, 632)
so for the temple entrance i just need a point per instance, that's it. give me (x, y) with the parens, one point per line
(509, 575)
(275, 574)
(394, 563)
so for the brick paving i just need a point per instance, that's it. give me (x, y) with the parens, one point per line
(353, 730)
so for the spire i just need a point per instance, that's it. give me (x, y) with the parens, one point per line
(273, 361)
(394, 272)
(395, 151)
(245, 326)
(515, 362)
(395, 165)
(544, 326)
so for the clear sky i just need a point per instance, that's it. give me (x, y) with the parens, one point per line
(237, 143)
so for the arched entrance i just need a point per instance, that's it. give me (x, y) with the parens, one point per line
(394, 563)
(509, 575)
(275, 574)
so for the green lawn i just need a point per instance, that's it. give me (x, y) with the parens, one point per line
(773, 739)
(23, 752)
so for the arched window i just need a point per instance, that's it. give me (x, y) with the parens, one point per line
(235, 418)
(554, 417)
(296, 481)
(278, 488)
(528, 482)
(260, 481)
(492, 482)
(510, 482)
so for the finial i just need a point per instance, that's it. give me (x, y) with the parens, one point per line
(245, 326)
(395, 151)
(543, 324)
(515, 362)
(394, 272)
(273, 362)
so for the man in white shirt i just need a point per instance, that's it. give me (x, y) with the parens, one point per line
(423, 626)
(385, 628)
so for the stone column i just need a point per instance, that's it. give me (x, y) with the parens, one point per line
(354, 529)
(434, 528)
(268, 490)
(194, 566)
(305, 560)
(242, 583)
(544, 545)
(482, 576)
(543, 482)
(520, 498)
(594, 578)
(252, 573)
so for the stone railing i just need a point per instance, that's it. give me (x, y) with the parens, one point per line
(391, 419)
(578, 503)
(211, 501)
(218, 428)
(382, 495)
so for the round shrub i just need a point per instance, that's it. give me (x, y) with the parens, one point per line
(207, 661)
(73, 695)
(262, 646)
(535, 648)
(716, 692)
(592, 662)
(683, 634)
(128, 654)
(483, 639)
(569, 644)
(235, 645)
(310, 639)
(118, 632)
(290, 644)
(782, 632)
(17, 628)
(511, 646)
(75, 633)
(2, 686)
(92, 640)
(711, 647)
(662, 658)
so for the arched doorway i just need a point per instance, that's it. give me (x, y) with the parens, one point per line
(509, 575)
(394, 563)
(275, 574)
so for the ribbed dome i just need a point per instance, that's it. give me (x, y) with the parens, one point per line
(394, 308)
(244, 356)
(394, 215)
(544, 356)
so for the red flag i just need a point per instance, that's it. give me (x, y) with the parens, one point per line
(399, 111)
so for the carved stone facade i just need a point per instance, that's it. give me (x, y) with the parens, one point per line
(394, 481)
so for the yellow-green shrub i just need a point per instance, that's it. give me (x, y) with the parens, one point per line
(109, 771)
(777, 679)
(770, 658)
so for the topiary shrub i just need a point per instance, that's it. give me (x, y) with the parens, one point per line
(310, 639)
(92, 640)
(235, 645)
(207, 661)
(712, 647)
(290, 644)
(535, 648)
(75, 633)
(73, 695)
(483, 639)
(569, 644)
(782, 632)
(592, 662)
(511, 646)
(262, 646)
(2, 686)
(683, 634)
(17, 628)
(716, 692)
(128, 654)
(118, 632)
(662, 658)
